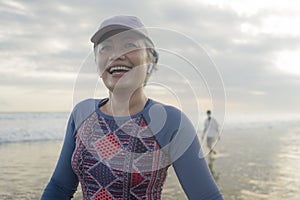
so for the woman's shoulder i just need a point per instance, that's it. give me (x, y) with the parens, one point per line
(170, 110)
(87, 103)
(84, 108)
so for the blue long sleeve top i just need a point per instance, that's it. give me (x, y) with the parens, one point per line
(128, 157)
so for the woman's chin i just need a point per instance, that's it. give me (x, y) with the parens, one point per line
(124, 84)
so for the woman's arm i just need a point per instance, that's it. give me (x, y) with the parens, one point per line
(177, 137)
(190, 167)
(63, 182)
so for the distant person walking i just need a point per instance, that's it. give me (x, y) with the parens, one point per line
(211, 131)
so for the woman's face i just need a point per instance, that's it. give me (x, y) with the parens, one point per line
(122, 60)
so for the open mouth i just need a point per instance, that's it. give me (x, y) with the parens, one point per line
(118, 69)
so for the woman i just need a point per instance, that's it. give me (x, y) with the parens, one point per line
(121, 147)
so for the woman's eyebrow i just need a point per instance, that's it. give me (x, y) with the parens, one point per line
(130, 38)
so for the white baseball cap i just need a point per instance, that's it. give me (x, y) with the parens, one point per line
(120, 22)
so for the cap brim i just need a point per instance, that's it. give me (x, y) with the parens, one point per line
(100, 33)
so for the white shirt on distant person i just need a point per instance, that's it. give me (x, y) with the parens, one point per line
(211, 127)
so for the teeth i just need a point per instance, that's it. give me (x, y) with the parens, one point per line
(119, 68)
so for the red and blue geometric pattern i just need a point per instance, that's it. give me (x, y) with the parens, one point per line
(118, 160)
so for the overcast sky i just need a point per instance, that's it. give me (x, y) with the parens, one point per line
(255, 45)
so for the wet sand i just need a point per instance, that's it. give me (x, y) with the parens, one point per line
(261, 164)
(250, 164)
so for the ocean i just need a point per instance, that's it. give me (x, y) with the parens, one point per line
(22, 127)
(258, 157)
(41, 126)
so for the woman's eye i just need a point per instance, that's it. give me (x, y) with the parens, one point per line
(130, 45)
(105, 48)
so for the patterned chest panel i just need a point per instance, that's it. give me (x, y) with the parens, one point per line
(118, 160)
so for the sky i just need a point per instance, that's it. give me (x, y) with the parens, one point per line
(253, 46)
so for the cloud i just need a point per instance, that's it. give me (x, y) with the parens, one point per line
(43, 44)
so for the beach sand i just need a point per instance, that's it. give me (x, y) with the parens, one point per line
(251, 164)
(259, 164)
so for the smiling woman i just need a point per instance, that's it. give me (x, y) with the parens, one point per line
(288, 62)
(121, 147)
(122, 60)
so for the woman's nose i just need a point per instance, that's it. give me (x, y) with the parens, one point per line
(117, 54)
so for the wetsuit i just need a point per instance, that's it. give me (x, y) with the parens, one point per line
(128, 157)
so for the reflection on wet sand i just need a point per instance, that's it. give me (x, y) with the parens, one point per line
(210, 160)
(258, 164)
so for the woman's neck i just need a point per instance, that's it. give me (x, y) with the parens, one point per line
(124, 104)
